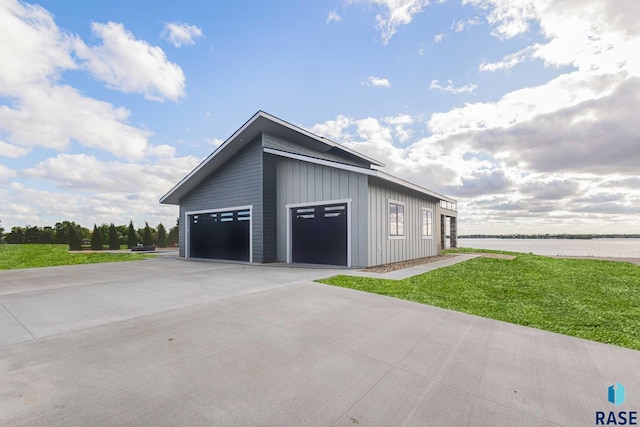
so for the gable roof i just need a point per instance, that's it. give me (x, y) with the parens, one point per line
(328, 151)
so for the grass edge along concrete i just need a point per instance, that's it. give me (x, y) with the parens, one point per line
(591, 299)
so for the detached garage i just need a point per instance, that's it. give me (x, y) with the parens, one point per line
(274, 192)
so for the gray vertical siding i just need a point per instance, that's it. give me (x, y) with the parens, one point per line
(239, 182)
(269, 203)
(382, 249)
(303, 182)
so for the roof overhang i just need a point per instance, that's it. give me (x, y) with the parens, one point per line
(399, 181)
(371, 172)
(260, 122)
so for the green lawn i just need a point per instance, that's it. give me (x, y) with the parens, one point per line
(596, 300)
(30, 256)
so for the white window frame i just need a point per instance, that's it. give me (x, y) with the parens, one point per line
(291, 206)
(187, 228)
(426, 236)
(404, 220)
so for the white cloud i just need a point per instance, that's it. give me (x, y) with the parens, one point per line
(333, 17)
(400, 123)
(572, 139)
(524, 104)
(13, 151)
(588, 35)
(93, 191)
(508, 194)
(43, 112)
(511, 60)
(376, 81)
(6, 175)
(333, 129)
(180, 34)
(82, 172)
(130, 65)
(597, 136)
(53, 116)
(461, 25)
(162, 151)
(49, 207)
(33, 48)
(438, 38)
(215, 142)
(509, 17)
(395, 13)
(451, 88)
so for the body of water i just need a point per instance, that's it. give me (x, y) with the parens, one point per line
(619, 248)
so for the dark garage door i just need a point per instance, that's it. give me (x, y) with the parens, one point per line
(319, 234)
(220, 235)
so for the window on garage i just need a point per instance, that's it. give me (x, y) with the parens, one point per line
(427, 223)
(396, 219)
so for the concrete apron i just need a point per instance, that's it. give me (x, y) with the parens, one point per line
(304, 353)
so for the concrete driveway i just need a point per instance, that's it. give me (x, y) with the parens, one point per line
(166, 342)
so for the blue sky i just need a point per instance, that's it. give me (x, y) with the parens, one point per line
(522, 110)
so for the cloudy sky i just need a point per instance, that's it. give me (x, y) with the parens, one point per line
(526, 111)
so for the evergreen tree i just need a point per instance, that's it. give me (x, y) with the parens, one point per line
(104, 230)
(146, 239)
(162, 236)
(114, 243)
(132, 238)
(74, 240)
(172, 239)
(174, 234)
(96, 238)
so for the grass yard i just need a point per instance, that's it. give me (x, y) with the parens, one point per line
(37, 255)
(596, 300)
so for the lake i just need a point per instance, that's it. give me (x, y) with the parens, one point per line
(619, 248)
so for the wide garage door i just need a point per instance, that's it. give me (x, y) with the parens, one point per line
(220, 235)
(319, 234)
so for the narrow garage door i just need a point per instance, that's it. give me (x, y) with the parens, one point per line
(220, 235)
(319, 234)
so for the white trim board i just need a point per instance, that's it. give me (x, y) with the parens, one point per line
(290, 206)
(187, 225)
(316, 161)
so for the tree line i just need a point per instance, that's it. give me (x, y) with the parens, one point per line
(102, 236)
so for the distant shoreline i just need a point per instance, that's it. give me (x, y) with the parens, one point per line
(551, 236)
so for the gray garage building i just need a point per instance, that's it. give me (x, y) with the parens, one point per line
(274, 192)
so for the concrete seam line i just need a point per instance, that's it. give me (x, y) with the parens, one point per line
(16, 319)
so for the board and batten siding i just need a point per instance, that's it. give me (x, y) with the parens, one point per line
(303, 182)
(382, 249)
(269, 206)
(238, 182)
